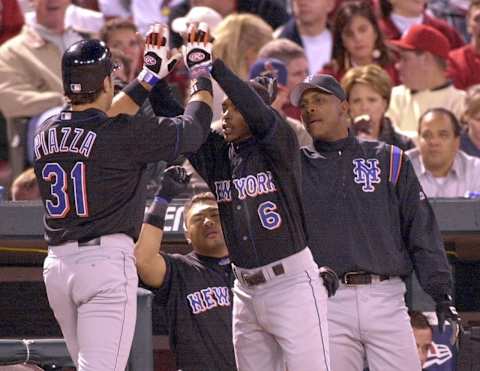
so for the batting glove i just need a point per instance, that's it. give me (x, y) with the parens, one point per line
(446, 311)
(330, 280)
(175, 181)
(157, 62)
(270, 83)
(197, 52)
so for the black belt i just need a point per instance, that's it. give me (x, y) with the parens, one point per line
(362, 278)
(94, 242)
(258, 277)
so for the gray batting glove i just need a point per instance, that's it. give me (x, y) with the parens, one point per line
(157, 62)
(197, 52)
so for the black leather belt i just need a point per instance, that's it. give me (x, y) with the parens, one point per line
(94, 242)
(258, 277)
(361, 278)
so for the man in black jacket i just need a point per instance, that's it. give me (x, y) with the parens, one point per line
(369, 219)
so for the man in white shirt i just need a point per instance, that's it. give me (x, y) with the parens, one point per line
(441, 167)
(77, 18)
(308, 28)
(443, 171)
(30, 68)
(422, 67)
(143, 12)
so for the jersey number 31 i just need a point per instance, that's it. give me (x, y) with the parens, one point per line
(59, 205)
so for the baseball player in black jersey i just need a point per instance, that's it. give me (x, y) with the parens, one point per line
(90, 163)
(279, 310)
(369, 220)
(194, 289)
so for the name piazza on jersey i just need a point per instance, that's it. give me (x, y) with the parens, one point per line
(248, 186)
(49, 141)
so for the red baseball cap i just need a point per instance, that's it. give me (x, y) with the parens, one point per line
(424, 38)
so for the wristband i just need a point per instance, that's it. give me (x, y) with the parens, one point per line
(200, 71)
(161, 200)
(136, 92)
(147, 76)
(201, 83)
(156, 213)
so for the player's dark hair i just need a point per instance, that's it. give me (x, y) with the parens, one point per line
(418, 320)
(78, 99)
(456, 126)
(199, 197)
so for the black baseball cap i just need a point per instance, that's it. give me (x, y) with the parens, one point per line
(325, 83)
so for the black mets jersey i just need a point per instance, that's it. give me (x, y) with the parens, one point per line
(197, 299)
(91, 168)
(256, 182)
(366, 211)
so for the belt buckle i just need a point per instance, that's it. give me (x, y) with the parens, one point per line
(348, 274)
(254, 279)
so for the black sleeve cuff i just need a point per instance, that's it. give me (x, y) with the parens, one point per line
(136, 92)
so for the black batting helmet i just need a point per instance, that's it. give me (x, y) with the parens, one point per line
(85, 65)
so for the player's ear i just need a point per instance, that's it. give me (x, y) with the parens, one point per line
(106, 83)
(344, 107)
(186, 232)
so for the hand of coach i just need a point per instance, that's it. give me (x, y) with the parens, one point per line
(330, 280)
(446, 311)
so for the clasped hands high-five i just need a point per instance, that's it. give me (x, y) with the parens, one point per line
(159, 60)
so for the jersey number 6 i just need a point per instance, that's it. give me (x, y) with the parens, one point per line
(268, 217)
(59, 206)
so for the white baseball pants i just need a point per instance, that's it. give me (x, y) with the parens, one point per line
(371, 322)
(92, 291)
(282, 322)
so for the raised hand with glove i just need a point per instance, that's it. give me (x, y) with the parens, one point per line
(197, 52)
(197, 55)
(157, 60)
(175, 181)
(330, 280)
(269, 82)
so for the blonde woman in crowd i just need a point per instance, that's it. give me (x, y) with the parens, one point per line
(238, 39)
(368, 91)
